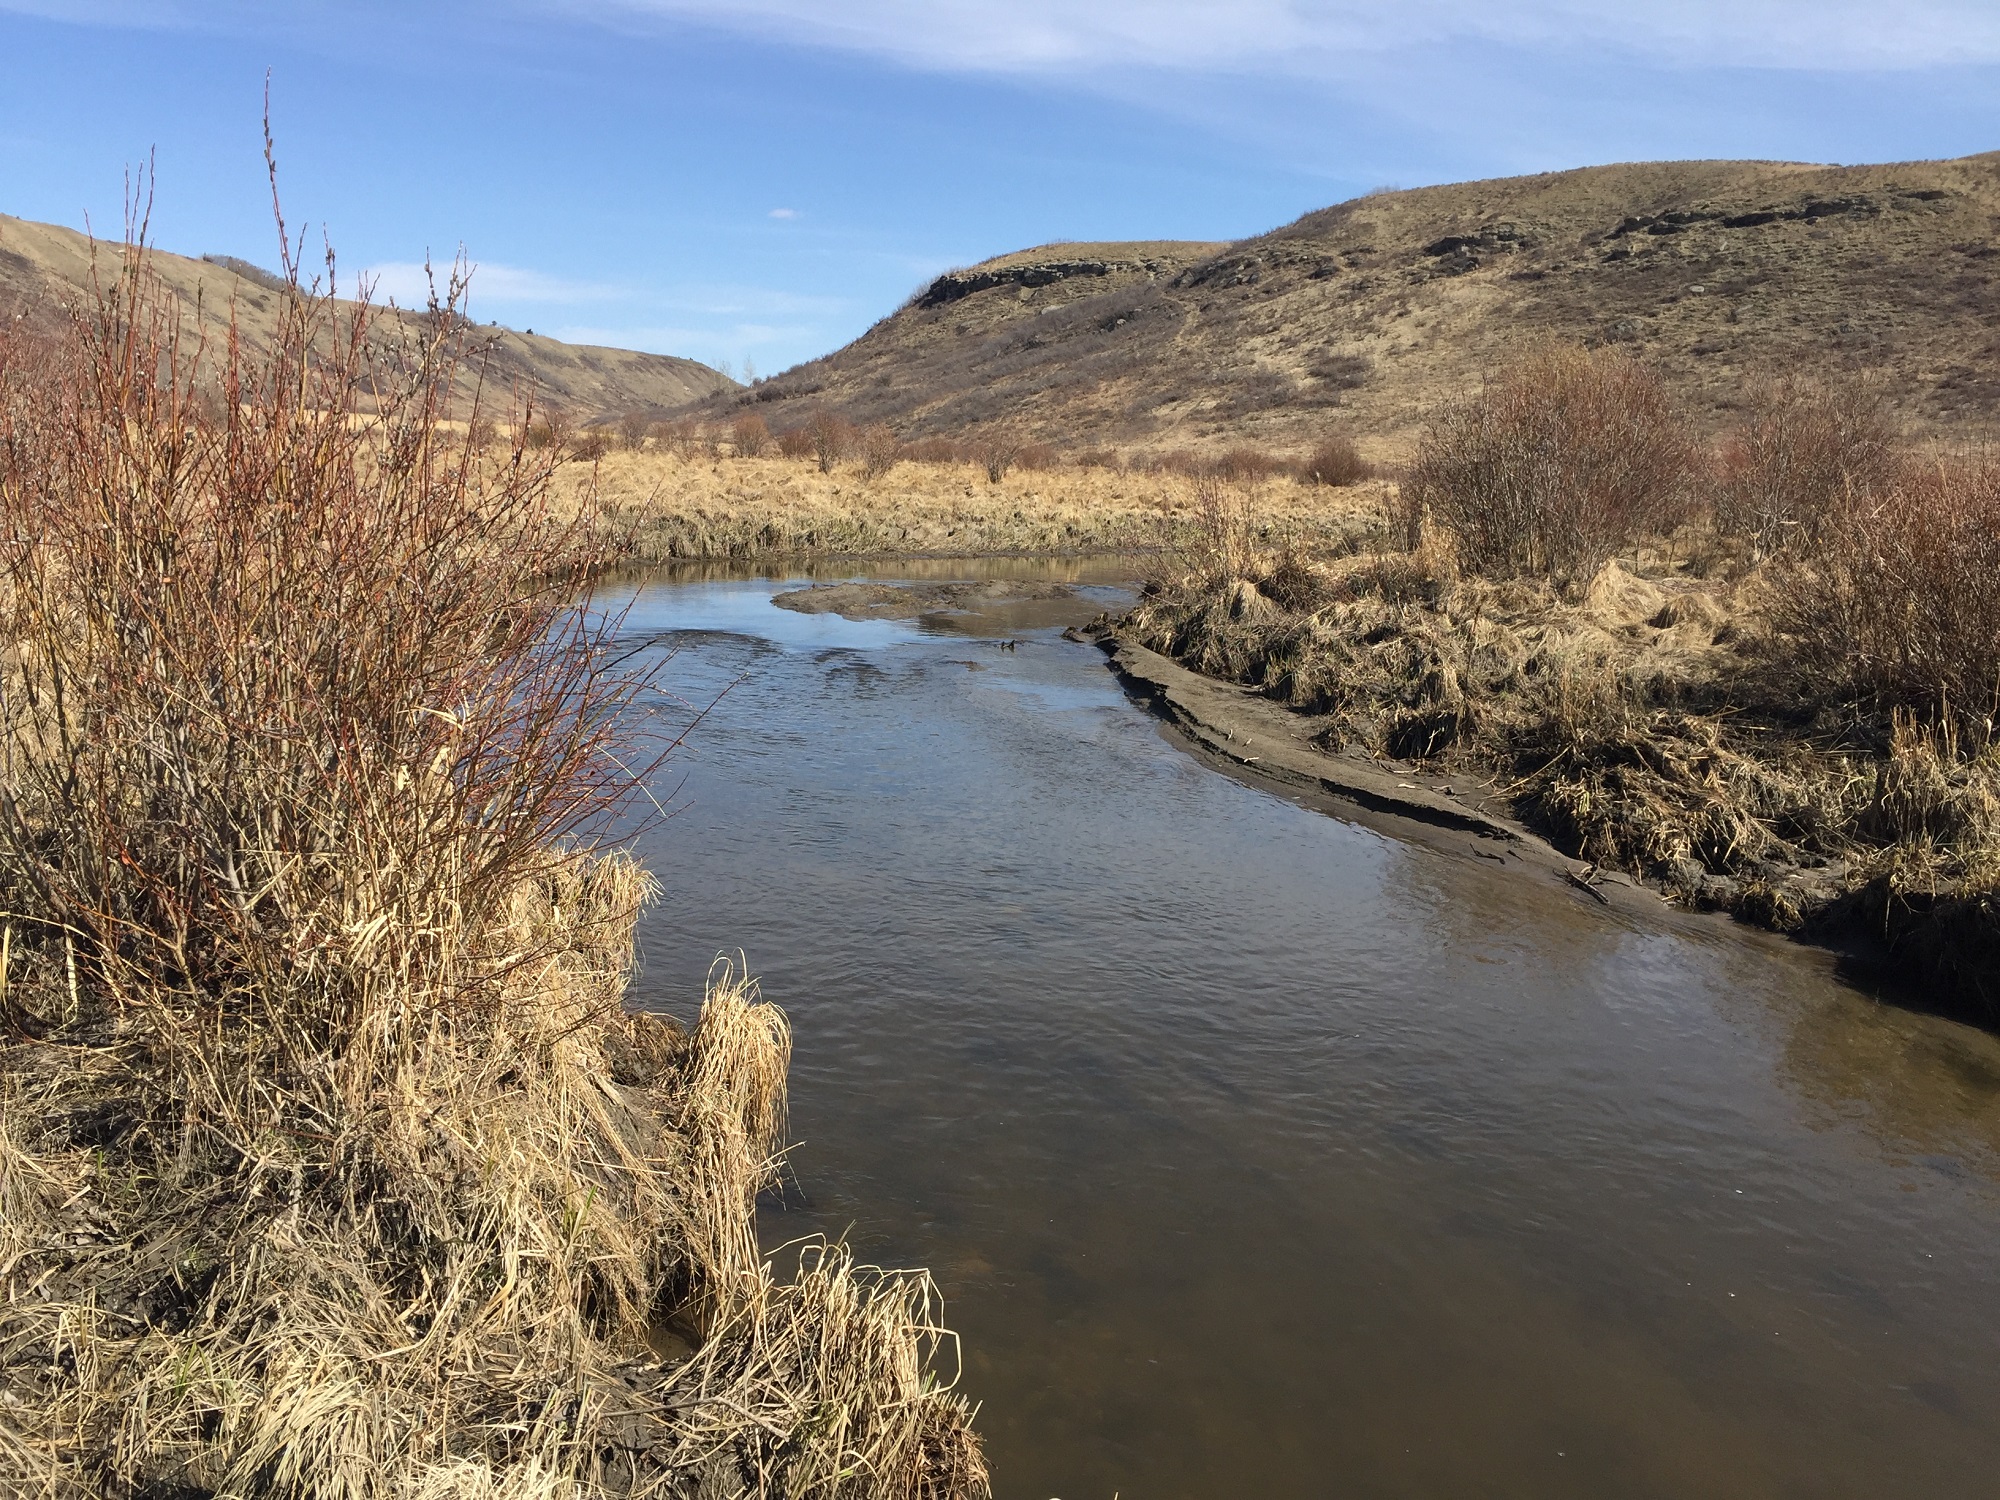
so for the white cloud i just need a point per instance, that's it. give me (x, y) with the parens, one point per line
(409, 283)
(1305, 36)
(785, 213)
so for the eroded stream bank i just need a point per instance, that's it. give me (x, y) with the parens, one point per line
(1259, 1153)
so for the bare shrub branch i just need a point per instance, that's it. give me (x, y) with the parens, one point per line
(1549, 470)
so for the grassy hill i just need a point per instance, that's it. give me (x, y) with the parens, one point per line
(44, 268)
(1360, 317)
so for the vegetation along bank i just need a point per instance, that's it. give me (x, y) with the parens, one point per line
(1765, 679)
(331, 1163)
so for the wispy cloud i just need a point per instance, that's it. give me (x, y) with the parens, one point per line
(1307, 36)
(785, 213)
(409, 283)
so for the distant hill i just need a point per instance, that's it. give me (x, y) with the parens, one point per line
(1360, 317)
(44, 268)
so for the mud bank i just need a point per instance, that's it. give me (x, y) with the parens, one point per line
(1930, 953)
(1259, 740)
(987, 606)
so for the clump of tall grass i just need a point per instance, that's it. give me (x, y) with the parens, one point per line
(330, 1164)
(1558, 463)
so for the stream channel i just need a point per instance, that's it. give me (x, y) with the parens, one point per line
(1262, 1152)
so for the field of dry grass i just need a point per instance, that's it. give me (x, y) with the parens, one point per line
(666, 506)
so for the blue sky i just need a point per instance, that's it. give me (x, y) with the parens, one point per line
(759, 180)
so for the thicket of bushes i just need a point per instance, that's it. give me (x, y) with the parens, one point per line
(830, 440)
(1884, 567)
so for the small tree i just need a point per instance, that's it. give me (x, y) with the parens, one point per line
(831, 439)
(997, 452)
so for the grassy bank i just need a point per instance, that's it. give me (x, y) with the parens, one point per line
(662, 505)
(331, 1164)
(1767, 685)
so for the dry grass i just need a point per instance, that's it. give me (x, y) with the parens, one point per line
(330, 1164)
(661, 506)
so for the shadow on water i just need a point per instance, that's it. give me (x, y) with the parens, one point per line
(1261, 1152)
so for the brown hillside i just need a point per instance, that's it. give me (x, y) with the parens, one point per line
(44, 268)
(1361, 316)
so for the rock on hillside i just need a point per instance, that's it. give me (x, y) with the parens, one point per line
(44, 269)
(1360, 317)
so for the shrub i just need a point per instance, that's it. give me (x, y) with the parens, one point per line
(1036, 457)
(678, 436)
(829, 440)
(544, 434)
(996, 452)
(1555, 465)
(1336, 463)
(881, 451)
(308, 731)
(1242, 465)
(749, 436)
(633, 428)
(1807, 448)
(935, 450)
(1895, 598)
(795, 442)
(591, 445)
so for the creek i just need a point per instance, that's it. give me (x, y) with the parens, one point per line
(1259, 1151)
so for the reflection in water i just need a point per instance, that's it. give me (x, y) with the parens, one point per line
(1260, 1153)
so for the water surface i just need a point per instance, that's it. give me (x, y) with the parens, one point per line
(1259, 1153)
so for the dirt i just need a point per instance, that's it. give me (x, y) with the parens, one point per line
(993, 606)
(1261, 741)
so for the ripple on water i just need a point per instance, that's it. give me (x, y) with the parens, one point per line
(1260, 1153)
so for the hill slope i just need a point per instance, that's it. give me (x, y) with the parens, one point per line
(44, 268)
(1361, 316)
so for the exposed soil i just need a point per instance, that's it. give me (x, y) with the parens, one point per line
(993, 606)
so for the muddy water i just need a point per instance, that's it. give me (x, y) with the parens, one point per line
(1260, 1153)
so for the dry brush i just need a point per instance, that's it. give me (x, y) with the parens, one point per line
(330, 1163)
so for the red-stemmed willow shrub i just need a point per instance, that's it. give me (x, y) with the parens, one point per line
(298, 689)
